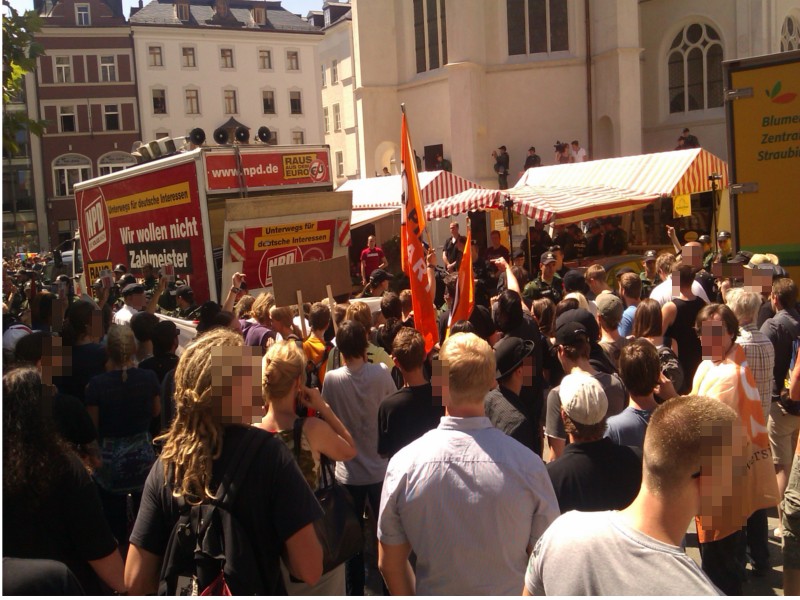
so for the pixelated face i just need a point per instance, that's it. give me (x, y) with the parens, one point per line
(528, 371)
(495, 239)
(519, 261)
(371, 241)
(440, 380)
(758, 280)
(56, 360)
(454, 228)
(137, 301)
(724, 245)
(714, 339)
(722, 475)
(236, 380)
(692, 256)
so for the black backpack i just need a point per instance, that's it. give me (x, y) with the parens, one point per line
(312, 368)
(209, 552)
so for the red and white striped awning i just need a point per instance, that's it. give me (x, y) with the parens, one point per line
(557, 205)
(664, 173)
(385, 192)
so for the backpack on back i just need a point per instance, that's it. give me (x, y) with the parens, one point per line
(209, 553)
(312, 368)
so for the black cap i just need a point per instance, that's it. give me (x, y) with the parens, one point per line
(132, 288)
(704, 239)
(120, 268)
(509, 353)
(571, 333)
(185, 292)
(547, 258)
(650, 255)
(126, 279)
(518, 254)
(582, 316)
(723, 235)
(379, 276)
(574, 281)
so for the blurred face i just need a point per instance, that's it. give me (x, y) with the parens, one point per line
(722, 473)
(715, 339)
(519, 261)
(548, 271)
(724, 246)
(371, 241)
(649, 265)
(454, 229)
(693, 255)
(495, 240)
(137, 301)
(236, 378)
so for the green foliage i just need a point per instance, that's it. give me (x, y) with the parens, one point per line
(20, 51)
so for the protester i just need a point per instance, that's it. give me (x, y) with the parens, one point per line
(630, 290)
(790, 509)
(677, 322)
(165, 343)
(372, 258)
(637, 551)
(143, 325)
(378, 284)
(509, 505)
(354, 392)
(414, 409)
(50, 505)
(314, 346)
(80, 337)
(596, 280)
(258, 331)
(609, 315)
(283, 385)
(668, 289)
(593, 473)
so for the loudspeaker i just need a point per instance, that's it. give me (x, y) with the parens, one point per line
(220, 136)
(155, 149)
(264, 134)
(197, 136)
(242, 135)
(142, 154)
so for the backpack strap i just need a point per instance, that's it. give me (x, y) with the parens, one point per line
(233, 479)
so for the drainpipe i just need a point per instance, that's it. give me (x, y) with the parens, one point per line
(589, 107)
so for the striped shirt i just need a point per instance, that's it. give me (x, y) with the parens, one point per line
(470, 501)
(760, 355)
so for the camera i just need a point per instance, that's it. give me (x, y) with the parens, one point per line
(560, 146)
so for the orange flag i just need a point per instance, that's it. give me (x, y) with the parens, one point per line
(464, 300)
(415, 263)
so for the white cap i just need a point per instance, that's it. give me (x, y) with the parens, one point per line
(583, 399)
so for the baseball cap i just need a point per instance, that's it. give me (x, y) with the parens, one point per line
(509, 353)
(379, 276)
(571, 333)
(582, 316)
(547, 258)
(133, 288)
(574, 281)
(120, 268)
(583, 399)
(185, 292)
(622, 272)
(518, 254)
(723, 235)
(649, 255)
(704, 239)
(126, 279)
(609, 306)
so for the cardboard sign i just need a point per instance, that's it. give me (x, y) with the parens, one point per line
(311, 278)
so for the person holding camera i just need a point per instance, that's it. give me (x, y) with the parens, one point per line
(501, 163)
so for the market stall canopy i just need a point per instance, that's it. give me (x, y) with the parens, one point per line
(565, 204)
(579, 191)
(663, 173)
(385, 192)
(370, 215)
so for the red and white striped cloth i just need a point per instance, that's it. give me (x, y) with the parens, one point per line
(385, 192)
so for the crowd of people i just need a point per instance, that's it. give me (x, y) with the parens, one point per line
(559, 441)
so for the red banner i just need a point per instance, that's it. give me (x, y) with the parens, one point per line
(282, 244)
(465, 287)
(415, 263)
(265, 169)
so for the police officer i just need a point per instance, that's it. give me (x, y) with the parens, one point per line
(186, 306)
(708, 251)
(649, 276)
(547, 284)
(724, 249)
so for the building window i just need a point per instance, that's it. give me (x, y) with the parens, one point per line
(182, 10)
(66, 119)
(231, 107)
(298, 138)
(114, 162)
(161, 134)
(430, 34)
(340, 164)
(111, 117)
(694, 64)
(188, 60)
(265, 60)
(159, 102)
(268, 100)
(335, 71)
(326, 119)
(108, 68)
(295, 103)
(155, 57)
(192, 106)
(322, 69)
(63, 69)
(273, 137)
(537, 26)
(83, 17)
(292, 60)
(69, 169)
(226, 58)
(337, 118)
(790, 34)
(260, 15)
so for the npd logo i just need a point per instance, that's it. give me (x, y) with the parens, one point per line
(94, 224)
(269, 260)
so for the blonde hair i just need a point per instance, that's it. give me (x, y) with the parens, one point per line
(194, 439)
(260, 310)
(582, 301)
(282, 365)
(360, 311)
(470, 367)
(121, 346)
(244, 305)
(743, 303)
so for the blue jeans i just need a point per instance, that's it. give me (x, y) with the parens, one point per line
(354, 568)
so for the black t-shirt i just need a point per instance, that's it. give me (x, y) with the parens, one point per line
(38, 577)
(160, 365)
(405, 416)
(68, 525)
(274, 503)
(594, 476)
(125, 407)
(72, 420)
(513, 417)
(88, 360)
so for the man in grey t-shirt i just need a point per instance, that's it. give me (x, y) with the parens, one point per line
(636, 551)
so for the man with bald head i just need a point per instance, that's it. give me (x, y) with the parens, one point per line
(371, 258)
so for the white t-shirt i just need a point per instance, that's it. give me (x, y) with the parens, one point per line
(579, 155)
(596, 554)
(663, 292)
(124, 315)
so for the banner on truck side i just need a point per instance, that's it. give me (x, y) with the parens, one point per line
(284, 244)
(153, 218)
(263, 169)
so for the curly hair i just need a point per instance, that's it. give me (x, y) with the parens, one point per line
(194, 439)
(33, 454)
